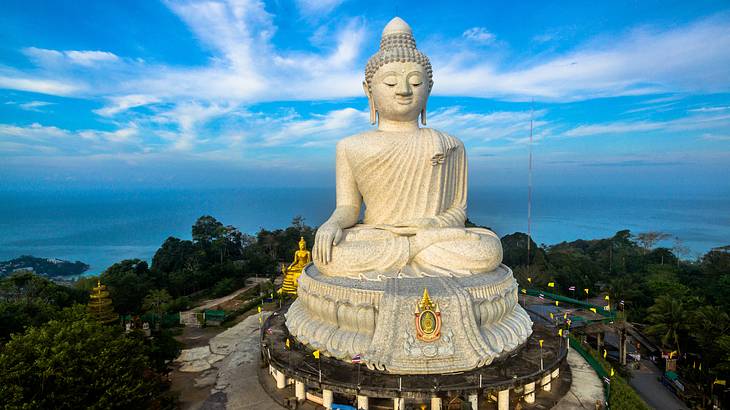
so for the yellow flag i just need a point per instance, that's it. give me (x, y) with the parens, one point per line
(524, 290)
(585, 290)
(316, 354)
(565, 315)
(694, 365)
(612, 372)
(261, 320)
(551, 315)
(272, 295)
(541, 342)
(606, 297)
(560, 332)
(288, 346)
(529, 280)
(551, 284)
(604, 353)
(700, 366)
(258, 308)
(593, 310)
(556, 303)
(720, 382)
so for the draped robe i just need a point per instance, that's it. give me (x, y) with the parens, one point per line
(402, 178)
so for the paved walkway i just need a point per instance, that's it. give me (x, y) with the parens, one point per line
(585, 389)
(645, 382)
(225, 371)
(215, 302)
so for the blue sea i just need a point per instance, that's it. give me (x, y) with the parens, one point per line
(100, 227)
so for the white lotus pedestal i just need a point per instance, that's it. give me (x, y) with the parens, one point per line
(473, 321)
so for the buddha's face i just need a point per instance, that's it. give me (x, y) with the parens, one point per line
(302, 246)
(399, 91)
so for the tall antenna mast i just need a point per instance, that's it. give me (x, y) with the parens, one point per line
(529, 187)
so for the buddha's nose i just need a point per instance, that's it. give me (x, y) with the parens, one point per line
(403, 88)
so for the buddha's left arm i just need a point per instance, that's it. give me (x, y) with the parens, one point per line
(455, 215)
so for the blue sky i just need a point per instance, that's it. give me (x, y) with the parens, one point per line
(245, 93)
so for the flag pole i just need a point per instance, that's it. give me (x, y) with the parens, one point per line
(529, 188)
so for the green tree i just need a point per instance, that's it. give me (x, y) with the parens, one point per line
(157, 302)
(27, 299)
(128, 282)
(175, 255)
(647, 240)
(74, 362)
(668, 318)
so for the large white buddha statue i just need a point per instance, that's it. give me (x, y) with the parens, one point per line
(411, 180)
(409, 289)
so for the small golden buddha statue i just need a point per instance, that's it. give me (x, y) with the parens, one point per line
(301, 258)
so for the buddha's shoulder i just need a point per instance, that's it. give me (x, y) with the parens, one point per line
(357, 140)
(446, 136)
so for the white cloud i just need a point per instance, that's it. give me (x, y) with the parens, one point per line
(499, 125)
(38, 139)
(710, 109)
(87, 58)
(319, 130)
(125, 102)
(690, 58)
(479, 35)
(715, 137)
(688, 123)
(38, 85)
(34, 105)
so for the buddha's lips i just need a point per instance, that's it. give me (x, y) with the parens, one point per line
(404, 100)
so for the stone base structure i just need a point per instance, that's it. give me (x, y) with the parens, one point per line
(477, 320)
(292, 372)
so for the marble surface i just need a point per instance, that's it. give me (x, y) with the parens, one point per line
(480, 320)
(360, 295)
(413, 180)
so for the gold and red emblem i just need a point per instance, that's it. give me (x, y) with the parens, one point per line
(428, 319)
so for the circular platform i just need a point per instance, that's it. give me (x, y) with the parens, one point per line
(475, 320)
(519, 371)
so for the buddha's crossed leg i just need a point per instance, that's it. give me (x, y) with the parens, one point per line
(370, 253)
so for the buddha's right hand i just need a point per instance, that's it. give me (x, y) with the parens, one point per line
(328, 235)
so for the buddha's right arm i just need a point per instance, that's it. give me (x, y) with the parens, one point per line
(346, 212)
(344, 216)
(349, 198)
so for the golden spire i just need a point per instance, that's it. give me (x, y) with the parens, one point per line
(100, 305)
(426, 303)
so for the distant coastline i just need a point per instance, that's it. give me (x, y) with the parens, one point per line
(101, 227)
(49, 267)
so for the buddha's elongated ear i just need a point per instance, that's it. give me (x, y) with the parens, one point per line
(423, 115)
(373, 113)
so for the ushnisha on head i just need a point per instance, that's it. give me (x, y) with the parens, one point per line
(398, 78)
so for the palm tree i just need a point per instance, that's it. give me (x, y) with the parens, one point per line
(157, 302)
(668, 317)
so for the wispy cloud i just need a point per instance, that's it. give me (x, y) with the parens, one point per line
(479, 35)
(23, 82)
(87, 58)
(37, 139)
(715, 137)
(498, 125)
(688, 123)
(643, 61)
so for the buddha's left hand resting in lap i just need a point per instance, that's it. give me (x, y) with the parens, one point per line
(411, 180)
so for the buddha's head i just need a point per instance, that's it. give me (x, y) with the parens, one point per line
(398, 78)
(302, 244)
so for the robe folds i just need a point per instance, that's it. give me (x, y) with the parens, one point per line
(401, 178)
